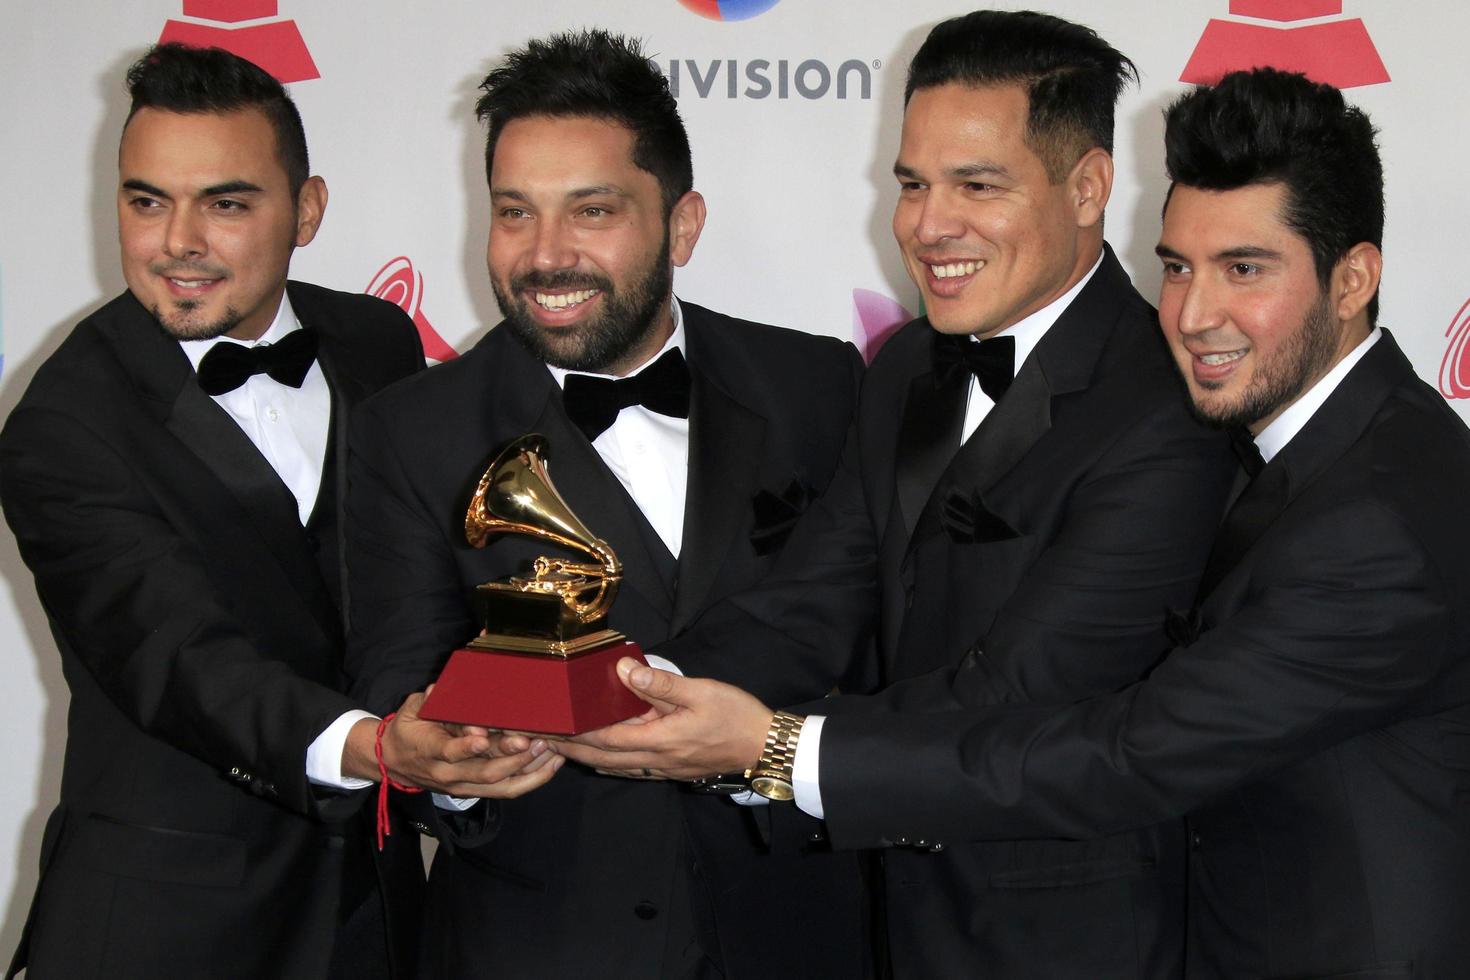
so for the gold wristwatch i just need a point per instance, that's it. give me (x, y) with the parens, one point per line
(771, 776)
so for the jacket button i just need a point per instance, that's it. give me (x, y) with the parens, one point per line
(645, 910)
(1194, 840)
(901, 841)
(935, 848)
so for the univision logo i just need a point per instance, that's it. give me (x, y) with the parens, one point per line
(729, 9)
(762, 79)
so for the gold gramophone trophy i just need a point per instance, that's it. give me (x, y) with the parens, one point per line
(547, 661)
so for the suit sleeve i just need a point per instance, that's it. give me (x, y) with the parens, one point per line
(807, 626)
(1329, 644)
(408, 607)
(135, 603)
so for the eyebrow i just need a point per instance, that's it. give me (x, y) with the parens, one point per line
(597, 190)
(964, 171)
(228, 187)
(1230, 254)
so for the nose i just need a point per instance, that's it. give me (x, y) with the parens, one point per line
(938, 219)
(184, 236)
(553, 248)
(1200, 308)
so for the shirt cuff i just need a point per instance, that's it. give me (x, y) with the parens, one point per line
(324, 754)
(804, 767)
(453, 802)
(654, 660)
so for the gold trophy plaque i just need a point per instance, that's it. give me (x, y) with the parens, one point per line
(546, 662)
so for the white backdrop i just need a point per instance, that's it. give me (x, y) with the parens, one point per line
(795, 167)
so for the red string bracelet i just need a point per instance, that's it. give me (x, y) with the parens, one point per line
(385, 782)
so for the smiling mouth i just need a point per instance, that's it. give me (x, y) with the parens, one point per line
(1215, 360)
(192, 283)
(561, 301)
(951, 270)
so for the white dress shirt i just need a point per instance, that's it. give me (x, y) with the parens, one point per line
(1274, 437)
(649, 452)
(290, 426)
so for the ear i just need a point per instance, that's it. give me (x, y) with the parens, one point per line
(1090, 184)
(1355, 280)
(686, 221)
(311, 204)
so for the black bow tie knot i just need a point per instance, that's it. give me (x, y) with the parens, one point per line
(992, 362)
(593, 404)
(1247, 452)
(227, 366)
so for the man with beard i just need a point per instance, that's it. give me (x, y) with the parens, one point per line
(1311, 722)
(174, 475)
(689, 441)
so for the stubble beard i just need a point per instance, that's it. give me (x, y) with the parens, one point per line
(1304, 357)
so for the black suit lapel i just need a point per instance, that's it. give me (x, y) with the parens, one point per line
(600, 502)
(344, 381)
(164, 375)
(1329, 433)
(725, 441)
(929, 436)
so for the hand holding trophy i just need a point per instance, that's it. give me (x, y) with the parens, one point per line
(547, 661)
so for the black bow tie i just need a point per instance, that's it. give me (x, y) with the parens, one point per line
(992, 362)
(1247, 452)
(593, 404)
(227, 366)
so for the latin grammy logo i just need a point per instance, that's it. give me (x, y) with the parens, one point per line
(1338, 52)
(274, 45)
(403, 286)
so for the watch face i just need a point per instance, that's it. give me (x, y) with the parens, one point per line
(772, 788)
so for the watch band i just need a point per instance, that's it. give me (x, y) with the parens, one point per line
(771, 776)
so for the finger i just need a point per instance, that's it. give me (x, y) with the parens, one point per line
(657, 687)
(510, 786)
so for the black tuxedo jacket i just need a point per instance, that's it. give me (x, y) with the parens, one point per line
(1035, 564)
(594, 875)
(1312, 725)
(202, 645)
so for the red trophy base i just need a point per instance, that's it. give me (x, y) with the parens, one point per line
(528, 692)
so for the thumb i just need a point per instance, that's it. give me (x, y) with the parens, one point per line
(650, 684)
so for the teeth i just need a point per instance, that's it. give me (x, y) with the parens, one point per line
(193, 283)
(1217, 359)
(563, 300)
(955, 269)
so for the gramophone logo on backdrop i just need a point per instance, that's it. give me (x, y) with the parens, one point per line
(275, 45)
(1336, 51)
(400, 284)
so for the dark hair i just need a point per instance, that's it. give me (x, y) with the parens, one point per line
(180, 78)
(599, 75)
(1071, 76)
(1266, 126)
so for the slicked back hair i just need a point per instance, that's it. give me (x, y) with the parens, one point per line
(1072, 77)
(598, 75)
(1266, 126)
(180, 78)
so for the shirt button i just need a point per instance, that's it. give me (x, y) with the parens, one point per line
(272, 414)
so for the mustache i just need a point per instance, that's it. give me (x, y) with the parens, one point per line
(178, 269)
(561, 279)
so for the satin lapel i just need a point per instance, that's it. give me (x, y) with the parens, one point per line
(725, 440)
(1062, 362)
(347, 390)
(1328, 434)
(928, 436)
(599, 500)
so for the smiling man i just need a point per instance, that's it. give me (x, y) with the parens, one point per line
(1311, 722)
(687, 439)
(1025, 497)
(174, 475)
